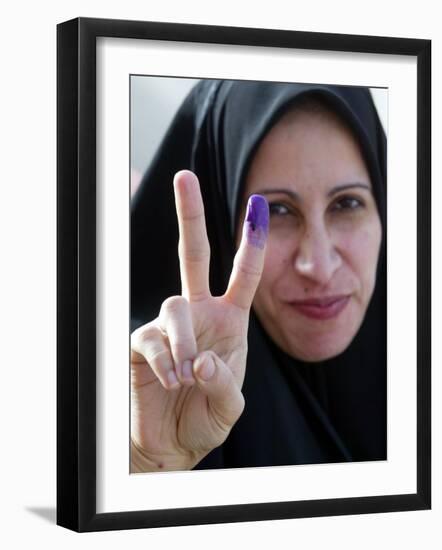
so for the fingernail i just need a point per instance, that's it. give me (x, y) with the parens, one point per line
(172, 379)
(257, 221)
(187, 371)
(207, 370)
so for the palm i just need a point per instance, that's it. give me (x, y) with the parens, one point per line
(183, 420)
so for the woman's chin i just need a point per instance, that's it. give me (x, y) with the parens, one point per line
(314, 352)
(320, 340)
(316, 356)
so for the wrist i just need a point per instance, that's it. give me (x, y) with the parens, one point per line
(140, 461)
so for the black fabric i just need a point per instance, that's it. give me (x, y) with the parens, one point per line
(295, 413)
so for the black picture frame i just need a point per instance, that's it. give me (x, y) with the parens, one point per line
(77, 287)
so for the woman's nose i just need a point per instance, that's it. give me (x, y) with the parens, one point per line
(316, 256)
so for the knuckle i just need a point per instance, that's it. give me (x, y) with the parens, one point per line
(161, 360)
(240, 405)
(195, 216)
(225, 417)
(235, 409)
(194, 254)
(184, 347)
(174, 304)
(144, 334)
(247, 275)
(247, 269)
(233, 405)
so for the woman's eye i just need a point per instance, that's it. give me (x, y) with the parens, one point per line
(347, 204)
(278, 209)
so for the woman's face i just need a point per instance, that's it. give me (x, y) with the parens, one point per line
(325, 234)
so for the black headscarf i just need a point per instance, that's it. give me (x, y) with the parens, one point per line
(295, 413)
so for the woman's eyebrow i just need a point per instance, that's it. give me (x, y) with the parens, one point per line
(295, 196)
(346, 186)
(292, 194)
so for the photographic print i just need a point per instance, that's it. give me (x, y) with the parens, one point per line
(232, 340)
(297, 357)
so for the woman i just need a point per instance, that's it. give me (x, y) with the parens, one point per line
(310, 387)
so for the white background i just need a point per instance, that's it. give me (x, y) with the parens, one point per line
(27, 300)
(116, 490)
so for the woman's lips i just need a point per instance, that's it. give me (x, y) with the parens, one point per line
(321, 308)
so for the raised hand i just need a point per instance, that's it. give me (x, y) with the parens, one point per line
(188, 364)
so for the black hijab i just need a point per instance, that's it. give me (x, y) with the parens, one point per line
(295, 413)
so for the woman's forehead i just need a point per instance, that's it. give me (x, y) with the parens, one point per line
(307, 151)
(307, 120)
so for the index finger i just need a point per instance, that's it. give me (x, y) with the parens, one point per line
(193, 248)
(249, 260)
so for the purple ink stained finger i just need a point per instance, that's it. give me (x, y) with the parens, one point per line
(257, 221)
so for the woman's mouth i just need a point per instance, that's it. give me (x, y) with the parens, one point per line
(321, 308)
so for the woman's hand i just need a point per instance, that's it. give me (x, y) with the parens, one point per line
(188, 365)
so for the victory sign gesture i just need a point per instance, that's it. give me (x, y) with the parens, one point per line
(188, 364)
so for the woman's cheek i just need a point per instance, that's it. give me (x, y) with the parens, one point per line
(277, 258)
(360, 251)
(275, 265)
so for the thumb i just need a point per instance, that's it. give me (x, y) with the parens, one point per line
(216, 380)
